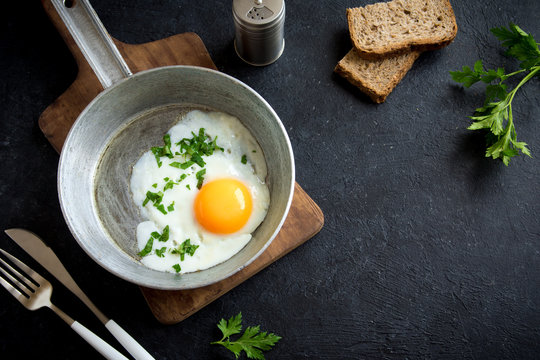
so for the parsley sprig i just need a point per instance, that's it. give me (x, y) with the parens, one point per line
(496, 115)
(253, 341)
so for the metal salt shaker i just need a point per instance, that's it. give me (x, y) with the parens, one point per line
(259, 30)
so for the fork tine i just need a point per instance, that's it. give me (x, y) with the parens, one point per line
(34, 275)
(20, 280)
(18, 294)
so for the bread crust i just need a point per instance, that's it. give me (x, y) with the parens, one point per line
(421, 43)
(355, 70)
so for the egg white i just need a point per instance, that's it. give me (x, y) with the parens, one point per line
(213, 249)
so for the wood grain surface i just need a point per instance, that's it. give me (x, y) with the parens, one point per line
(305, 218)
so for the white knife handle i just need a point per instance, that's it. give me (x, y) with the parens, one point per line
(129, 343)
(101, 346)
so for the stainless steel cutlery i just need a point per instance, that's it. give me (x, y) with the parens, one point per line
(43, 254)
(34, 292)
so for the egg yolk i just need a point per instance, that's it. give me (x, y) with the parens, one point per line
(223, 206)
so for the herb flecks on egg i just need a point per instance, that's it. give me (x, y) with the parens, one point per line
(198, 186)
(185, 248)
(164, 150)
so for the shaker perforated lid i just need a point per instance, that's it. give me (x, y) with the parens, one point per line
(259, 26)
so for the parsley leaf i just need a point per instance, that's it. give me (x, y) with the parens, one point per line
(244, 159)
(231, 327)
(182, 177)
(163, 151)
(169, 185)
(183, 165)
(521, 45)
(177, 267)
(147, 248)
(253, 342)
(185, 248)
(496, 115)
(161, 252)
(154, 197)
(161, 208)
(170, 207)
(197, 159)
(165, 235)
(200, 177)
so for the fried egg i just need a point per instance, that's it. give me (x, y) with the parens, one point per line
(199, 213)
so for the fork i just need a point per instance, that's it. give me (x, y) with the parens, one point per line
(38, 295)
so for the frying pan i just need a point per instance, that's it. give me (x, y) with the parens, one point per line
(129, 117)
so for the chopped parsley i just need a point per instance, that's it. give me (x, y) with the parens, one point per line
(192, 150)
(177, 267)
(200, 177)
(197, 159)
(200, 144)
(244, 159)
(161, 208)
(147, 248)
(169, 185)
(161, 252)
(165, 235)
(183, 165)
(164, 150)
(195, 148)
(154, 197)
(185, 248)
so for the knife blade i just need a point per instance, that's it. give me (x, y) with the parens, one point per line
(36, 248)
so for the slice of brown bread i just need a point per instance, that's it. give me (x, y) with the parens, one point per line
(390, 28)
(376, 78)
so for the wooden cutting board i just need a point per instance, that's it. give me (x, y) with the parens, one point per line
(305, 218)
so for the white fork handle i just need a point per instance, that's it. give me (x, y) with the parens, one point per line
(101, 346)
(129, 343)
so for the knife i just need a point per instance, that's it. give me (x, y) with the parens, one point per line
(44, 255)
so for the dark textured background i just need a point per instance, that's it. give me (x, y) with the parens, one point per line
(429, 249)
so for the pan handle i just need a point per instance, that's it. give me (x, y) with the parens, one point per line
(92, 39)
